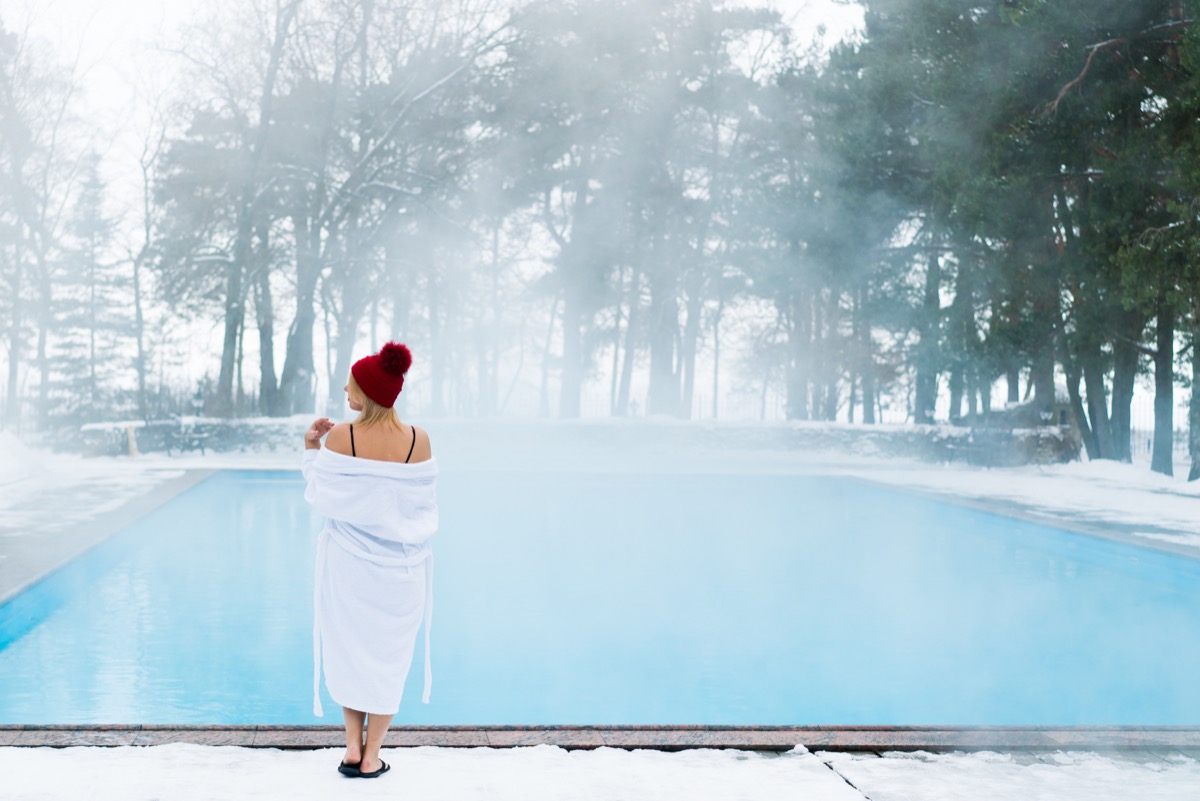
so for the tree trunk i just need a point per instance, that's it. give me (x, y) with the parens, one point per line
(832, 372)
(616, 359)
(972, 392)
(691, 337)
(631, 329)
(92, 325)
(240, 398)
(544, 394)
(663, 395)
(1162, 458)
(819, 355)
(357, 292)
(402, 288)
(45, 317)
(489, 380)
(1046, 314)
(800, 356)
(962, 334)
(1074, 377)
(1125, 362)
(1097, 405)
(264, 313)
(1081, 418)
(221, 404)
(437, 345)
(925, 400)
(571, 387)
(327, 323)
(1194, 400)
(716, 384)
(296, 386)
(347, 335)
(957, 386)
(139, 334)
(12, 403)
(866, 357)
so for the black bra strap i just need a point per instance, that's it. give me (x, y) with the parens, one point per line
(410, 447)
(352, 451)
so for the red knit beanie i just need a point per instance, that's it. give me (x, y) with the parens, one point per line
(381, 375)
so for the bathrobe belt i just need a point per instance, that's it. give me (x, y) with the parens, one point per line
(425, 556)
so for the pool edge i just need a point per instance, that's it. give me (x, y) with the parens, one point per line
(935, 739)
(82, 537)
(1027, 513)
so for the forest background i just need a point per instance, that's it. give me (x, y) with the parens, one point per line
(622, 207)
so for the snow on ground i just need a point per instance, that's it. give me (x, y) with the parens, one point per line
(1127, 496)
(984, 776)
(17, 461)
(42, 492)
(184, 772)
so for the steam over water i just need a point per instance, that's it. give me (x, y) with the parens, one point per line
(652, 591)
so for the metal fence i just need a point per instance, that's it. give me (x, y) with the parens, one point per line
(1141, 443)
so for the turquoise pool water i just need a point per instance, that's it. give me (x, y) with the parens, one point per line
(626, 599)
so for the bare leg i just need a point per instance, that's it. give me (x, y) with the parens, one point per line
(377, 726)
(354, 734)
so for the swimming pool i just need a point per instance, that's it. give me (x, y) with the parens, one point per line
(626, 599)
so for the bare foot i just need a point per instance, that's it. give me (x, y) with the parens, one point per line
(371, 764)
(352, 757)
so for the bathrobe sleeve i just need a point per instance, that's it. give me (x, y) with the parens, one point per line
(323, 491)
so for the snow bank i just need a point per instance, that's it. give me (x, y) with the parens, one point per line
(17, 461)
(1128, 496)
(184, 772)
(986, 776)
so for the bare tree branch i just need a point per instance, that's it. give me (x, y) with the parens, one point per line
(1095, 49)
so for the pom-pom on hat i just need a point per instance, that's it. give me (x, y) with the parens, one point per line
(381, 375)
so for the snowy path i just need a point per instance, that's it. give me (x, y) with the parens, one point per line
(1122, 497)
(41, 492)
(184, 772)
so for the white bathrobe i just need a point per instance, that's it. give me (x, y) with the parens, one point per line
(374, 575)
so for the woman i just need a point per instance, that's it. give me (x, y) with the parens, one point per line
(376, 481)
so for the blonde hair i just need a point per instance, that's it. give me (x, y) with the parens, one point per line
(372, 413)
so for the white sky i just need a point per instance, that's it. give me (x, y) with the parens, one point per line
(117, 41)
(120, 48)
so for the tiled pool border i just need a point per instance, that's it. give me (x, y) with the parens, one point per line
(1185, 739)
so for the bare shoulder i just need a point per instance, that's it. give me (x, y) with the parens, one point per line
(338, 439)
(422, 450)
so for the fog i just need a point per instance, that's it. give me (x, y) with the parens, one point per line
(896, 211)
(923, 212)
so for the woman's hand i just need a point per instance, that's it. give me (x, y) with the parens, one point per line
(319, 428)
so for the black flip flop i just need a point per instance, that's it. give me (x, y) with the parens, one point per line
(383, 768)
(350, 768)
